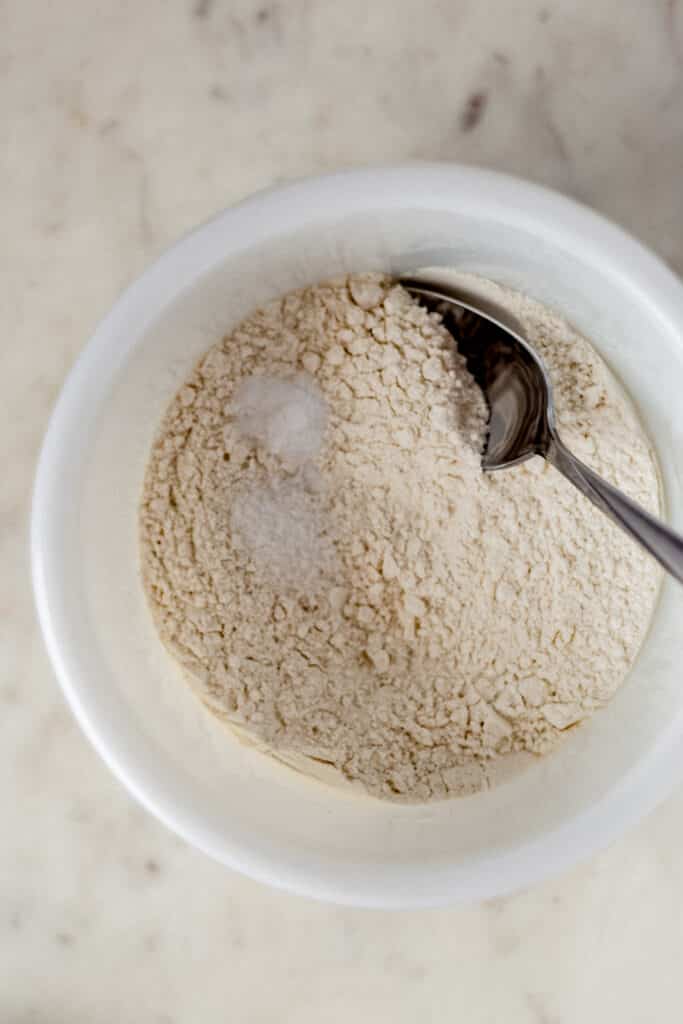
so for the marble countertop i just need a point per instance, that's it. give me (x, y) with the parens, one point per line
(123, 125)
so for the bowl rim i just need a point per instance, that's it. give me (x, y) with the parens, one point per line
(265, 215)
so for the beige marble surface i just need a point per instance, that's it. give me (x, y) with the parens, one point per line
(122, 124)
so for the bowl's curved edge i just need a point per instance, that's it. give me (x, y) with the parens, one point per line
(139, 304)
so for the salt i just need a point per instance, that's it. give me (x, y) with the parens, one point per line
(287, 415)
(279, 524)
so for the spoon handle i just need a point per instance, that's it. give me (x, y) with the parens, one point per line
(663, 543)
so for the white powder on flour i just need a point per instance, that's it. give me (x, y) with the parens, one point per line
(286, 415)
(324, 555)
(278, 522)
(279, 525)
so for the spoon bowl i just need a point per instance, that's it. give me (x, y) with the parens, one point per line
(518, 392)
(512, 377)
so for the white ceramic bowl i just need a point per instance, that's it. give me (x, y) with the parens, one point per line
(177, 759)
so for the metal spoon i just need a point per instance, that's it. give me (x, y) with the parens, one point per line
(517, 389)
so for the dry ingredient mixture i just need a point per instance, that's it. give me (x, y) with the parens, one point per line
(325, 557)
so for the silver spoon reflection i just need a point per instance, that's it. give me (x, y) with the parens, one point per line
(519, 395)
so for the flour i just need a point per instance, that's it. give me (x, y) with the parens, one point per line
(324, 555)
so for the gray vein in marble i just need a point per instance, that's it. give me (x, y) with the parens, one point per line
(541, 1014)
(474, 109)
(202, 8)
(672, 9)
(546, 115)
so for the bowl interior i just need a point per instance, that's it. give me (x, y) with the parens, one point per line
(128, 693)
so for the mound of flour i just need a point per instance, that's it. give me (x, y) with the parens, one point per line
(324, 555)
